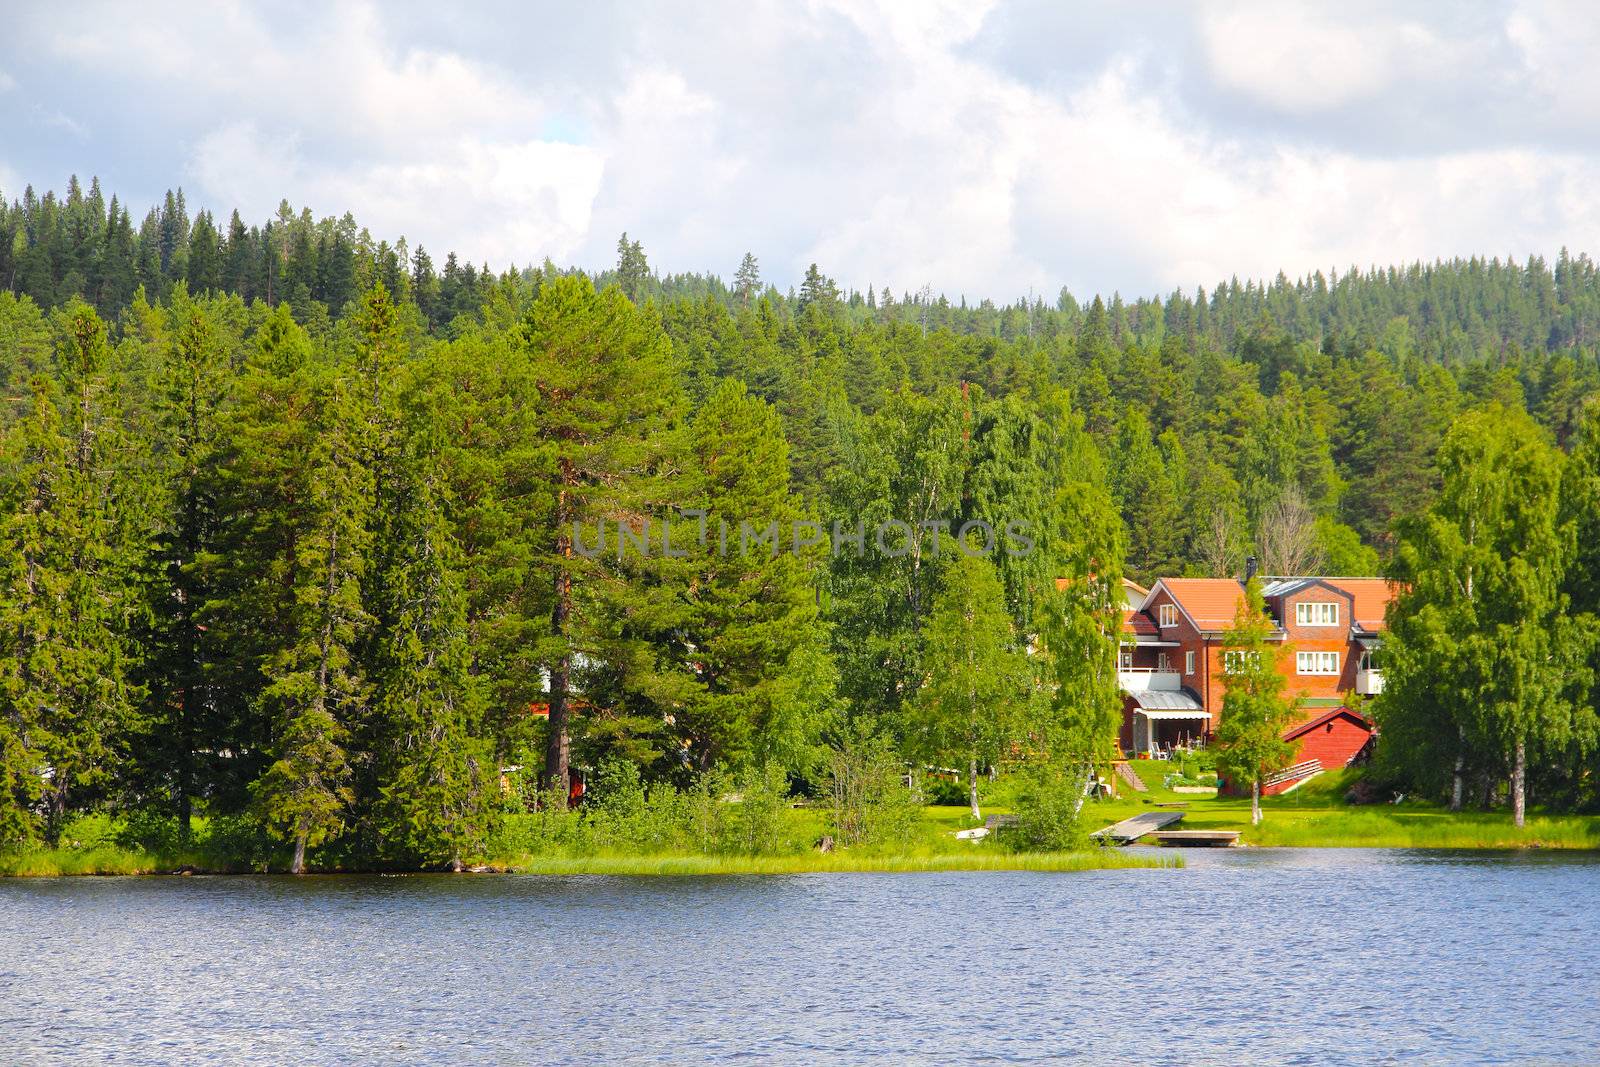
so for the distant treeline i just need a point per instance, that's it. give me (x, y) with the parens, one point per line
(289, 510)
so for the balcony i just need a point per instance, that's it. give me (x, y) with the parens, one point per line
(1145, 679)
(1369, 683)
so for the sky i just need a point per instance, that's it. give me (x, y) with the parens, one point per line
(986, 149)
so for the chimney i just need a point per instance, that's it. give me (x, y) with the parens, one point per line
(1249, 568)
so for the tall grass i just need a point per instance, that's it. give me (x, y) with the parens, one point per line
(100, 859)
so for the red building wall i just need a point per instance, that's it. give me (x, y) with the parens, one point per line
(1319, 639)
(1335, 742)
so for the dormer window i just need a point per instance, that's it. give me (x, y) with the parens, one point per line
(1169, 615)
(1317, 614)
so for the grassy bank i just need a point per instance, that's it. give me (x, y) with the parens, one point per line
(1314, 816)
(114, 860)
(816, 862)
(93, 845)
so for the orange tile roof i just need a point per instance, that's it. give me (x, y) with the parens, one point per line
(1139, 624)
(1213, 603)
(1371, 597)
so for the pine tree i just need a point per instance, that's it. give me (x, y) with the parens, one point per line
(595, 377)
(633, 270)
(747, 280)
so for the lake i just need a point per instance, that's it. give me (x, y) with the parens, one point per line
(1247, 955)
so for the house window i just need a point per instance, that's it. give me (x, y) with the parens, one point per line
(1317, 614)
(1127, 661)
(1169, 615)
(1188, 663)
(1234, 662)
(1316, 662)
(1162, 663)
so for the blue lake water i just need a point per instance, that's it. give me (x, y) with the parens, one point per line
(1245, 956)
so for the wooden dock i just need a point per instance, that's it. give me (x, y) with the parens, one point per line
(1197, 838)
(1130, 830)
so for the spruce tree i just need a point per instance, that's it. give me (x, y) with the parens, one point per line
(73, 548)
(434, 771)
(316, 688)
(193, 387)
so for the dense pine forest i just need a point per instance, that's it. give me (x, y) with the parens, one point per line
(305, 529)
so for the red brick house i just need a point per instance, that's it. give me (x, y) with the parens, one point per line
(1173, 663)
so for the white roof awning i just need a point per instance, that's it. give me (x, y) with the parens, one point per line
(1154, 713)
(1168, 704)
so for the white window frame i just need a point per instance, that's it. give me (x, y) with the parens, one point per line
(1188, 663)
(1168, 615)
(1317, 613)
(1233, 658)
(1125, 661)
(1325, 664)
(1162, 662)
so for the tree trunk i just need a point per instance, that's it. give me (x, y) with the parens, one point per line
(557, 743)
(972, 787)
(298, 864)
(1081, 783)
(55, 812)
(1519, 775)
(1255, 802)
(1455, 777)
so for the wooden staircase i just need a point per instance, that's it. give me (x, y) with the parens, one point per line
(1131, 777)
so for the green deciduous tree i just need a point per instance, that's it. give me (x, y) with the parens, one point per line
(1487, 663)
(973, 703)
(1255, 712)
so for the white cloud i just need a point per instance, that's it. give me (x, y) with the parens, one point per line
(888, 142)
(1305, 58)
(7, 82)
(504, 203)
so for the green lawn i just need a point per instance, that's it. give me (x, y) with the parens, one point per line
(1315, 815)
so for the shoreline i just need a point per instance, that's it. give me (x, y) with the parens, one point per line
(104, 863)
(133, 864)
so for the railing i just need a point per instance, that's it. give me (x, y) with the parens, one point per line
(1303, 769)
(1142, 679)
(1369, 683)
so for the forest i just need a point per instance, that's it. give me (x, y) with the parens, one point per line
(295, 520)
